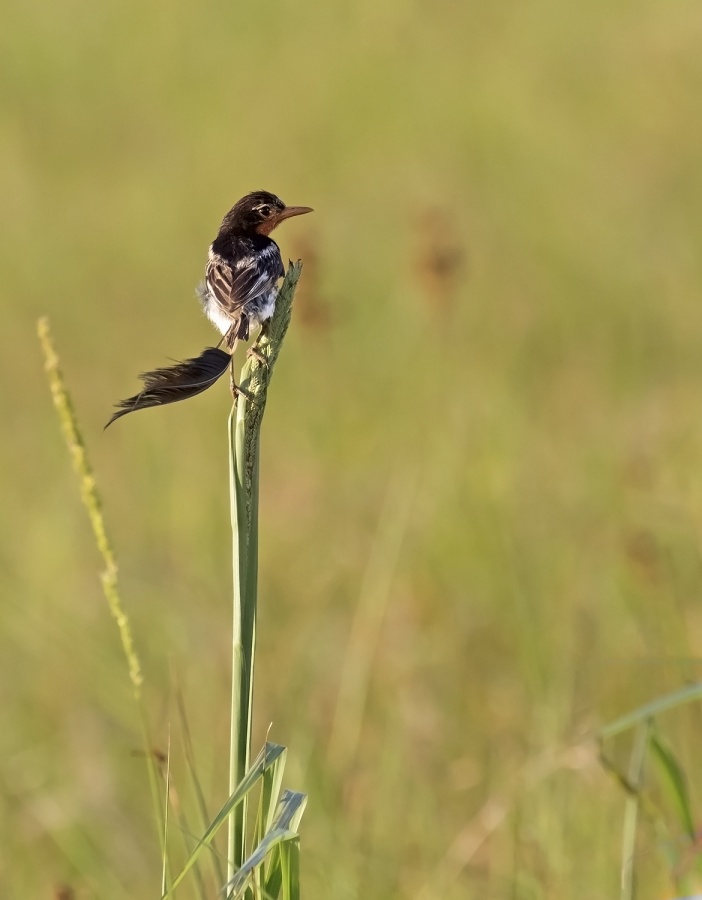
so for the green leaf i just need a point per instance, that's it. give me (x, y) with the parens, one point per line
(267, 805)
(265, 759)
(675, 782)
(283, 829)
(662, 704)
(290, 869)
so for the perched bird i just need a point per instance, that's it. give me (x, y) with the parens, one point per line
(238, 293)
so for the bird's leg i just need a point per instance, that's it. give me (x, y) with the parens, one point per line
(230, 338)
(227, 339)
(237, 389)
(256, 354)
(233, 386)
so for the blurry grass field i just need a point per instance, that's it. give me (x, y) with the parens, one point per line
(481, 500)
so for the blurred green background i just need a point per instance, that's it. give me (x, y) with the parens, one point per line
(482, 462)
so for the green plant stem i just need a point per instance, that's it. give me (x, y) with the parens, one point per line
(244, 432)
(108, 577)
(631, 812)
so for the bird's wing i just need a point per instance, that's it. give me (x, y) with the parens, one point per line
(233, 284)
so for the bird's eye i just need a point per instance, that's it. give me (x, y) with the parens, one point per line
(265, 211)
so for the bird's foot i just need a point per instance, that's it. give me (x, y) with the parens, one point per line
(237, 390)
(257, 355)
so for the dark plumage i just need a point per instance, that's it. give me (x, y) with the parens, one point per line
(239, 291)
(179, 382)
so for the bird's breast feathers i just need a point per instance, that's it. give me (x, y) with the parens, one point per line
(261, 308)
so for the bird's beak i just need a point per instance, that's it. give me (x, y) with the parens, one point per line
(291, 211)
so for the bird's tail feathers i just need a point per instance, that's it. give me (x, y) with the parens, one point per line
(178, 382)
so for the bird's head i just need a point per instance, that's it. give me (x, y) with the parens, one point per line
(259, 213)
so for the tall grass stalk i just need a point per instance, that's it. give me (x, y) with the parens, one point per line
(108, 577)
(631, 810)
(244, 434)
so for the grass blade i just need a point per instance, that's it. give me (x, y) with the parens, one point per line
(284, 828)
(685, 695)
(167, 805)
(268, 755)
(290, 869)
(675, 781)
(192, 771)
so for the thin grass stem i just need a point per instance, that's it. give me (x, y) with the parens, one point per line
(108, 577)
(631, 812)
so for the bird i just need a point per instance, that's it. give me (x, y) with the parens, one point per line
(238, 294)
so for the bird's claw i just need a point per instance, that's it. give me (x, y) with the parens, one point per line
(252, 352)
(237, 389)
